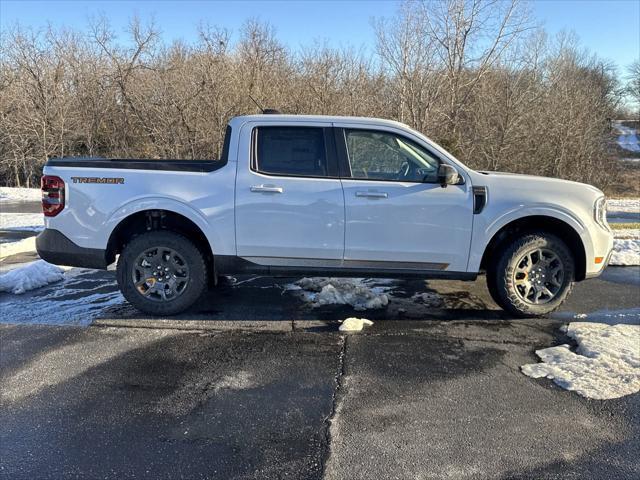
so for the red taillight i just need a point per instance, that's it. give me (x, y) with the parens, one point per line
(52, 195)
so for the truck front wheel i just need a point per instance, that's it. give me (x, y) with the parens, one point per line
(532, 276)
(161, 273)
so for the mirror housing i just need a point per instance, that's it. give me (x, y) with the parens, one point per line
(447, 175)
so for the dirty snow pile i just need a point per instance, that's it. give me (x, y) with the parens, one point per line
(357, 292)
(13, 248)
(605, 365)
(11, 194)
(32, 275)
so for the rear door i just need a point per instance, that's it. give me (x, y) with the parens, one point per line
(397, 214)
(289, 200)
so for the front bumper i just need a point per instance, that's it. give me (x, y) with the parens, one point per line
(54, 247)
(605, 264)
(601, 246)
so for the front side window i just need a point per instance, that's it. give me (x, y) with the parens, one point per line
(296, 151)
(378, 155)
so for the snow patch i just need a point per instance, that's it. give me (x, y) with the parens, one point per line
(353, 324)
(625, 252)
(33, 275)
(33, 222)
(628, 138)
(605, 365)
(631, 205)
(13, 248)
(627, 233)
(14, 194)
(357, 292)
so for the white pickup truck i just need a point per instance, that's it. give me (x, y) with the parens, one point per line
(318, 195)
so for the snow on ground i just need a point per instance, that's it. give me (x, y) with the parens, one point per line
(13, 248)
(81, 296)
(353, 324)
(623, 205)
(626, 247)
(626, 233)
(628, 138)
(11, 194)
(623, 210)
(361, 294)
(30, 276)
(33, 222)
(625, 252)
(605, 365)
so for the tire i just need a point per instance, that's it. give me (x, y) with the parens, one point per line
(175, 279)
(532, 276)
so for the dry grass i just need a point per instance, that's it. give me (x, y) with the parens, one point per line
(624, 226)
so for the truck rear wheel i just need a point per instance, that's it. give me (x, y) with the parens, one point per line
(161, 273)
(532, 276)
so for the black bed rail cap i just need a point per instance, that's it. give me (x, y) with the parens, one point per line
(137, 164)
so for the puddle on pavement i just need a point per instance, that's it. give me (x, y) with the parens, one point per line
(629, 316)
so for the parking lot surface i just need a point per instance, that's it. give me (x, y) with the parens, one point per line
(254, 383)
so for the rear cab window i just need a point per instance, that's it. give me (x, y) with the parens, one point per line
(292, 151)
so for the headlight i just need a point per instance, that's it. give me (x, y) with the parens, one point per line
(600, 212)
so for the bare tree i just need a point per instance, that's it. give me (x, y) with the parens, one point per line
(471, 74)
(633, 85)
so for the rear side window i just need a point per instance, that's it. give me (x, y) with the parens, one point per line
(296, 151)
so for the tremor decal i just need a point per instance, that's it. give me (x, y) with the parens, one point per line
(106, 180)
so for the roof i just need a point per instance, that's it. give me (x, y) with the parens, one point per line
(317, 118)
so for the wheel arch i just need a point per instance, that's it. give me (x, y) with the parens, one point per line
(519, 226)
(142, 221)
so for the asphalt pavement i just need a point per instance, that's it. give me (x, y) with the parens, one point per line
(255, 384)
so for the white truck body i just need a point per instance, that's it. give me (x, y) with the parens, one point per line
(330, 223)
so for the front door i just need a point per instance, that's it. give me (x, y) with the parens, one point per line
(397, 214)
(289, 209)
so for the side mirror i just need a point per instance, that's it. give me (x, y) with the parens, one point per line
(447, 175)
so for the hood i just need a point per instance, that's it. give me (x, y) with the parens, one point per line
(534, 181)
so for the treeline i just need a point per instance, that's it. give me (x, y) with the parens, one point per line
(473, 75)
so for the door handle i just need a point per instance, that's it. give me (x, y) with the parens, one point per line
(372, 194)
(267, 189)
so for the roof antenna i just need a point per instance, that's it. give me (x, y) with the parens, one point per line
(264, 111)
(257, 104)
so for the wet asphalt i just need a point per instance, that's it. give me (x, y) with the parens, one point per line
(254, 384)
